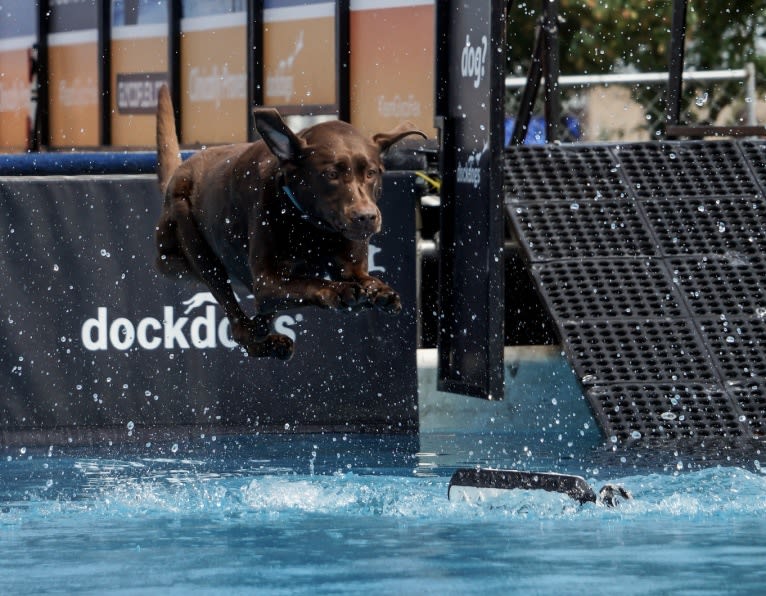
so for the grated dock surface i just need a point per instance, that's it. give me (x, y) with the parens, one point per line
(651, 258)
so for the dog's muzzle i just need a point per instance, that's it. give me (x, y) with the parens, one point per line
(362, 223)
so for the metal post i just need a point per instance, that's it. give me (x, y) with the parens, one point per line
(42, 132)
(676, 65)
(175, 11)
(551, 67)
(343, 59)
(534, 75)
(104, 45)
(750, 94)
(254, 62)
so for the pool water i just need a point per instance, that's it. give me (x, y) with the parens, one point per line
(351, 514)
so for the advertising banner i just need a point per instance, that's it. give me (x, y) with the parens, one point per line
(213, 75)
(299, 56)
(17, 37)
(93, 340)
(392, 64)
(73, 74)
(139, 67)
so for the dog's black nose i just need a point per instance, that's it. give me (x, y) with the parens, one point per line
(364, 218)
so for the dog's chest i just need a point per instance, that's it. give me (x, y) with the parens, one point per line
(301, 243)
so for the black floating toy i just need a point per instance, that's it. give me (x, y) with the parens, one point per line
(467, 481)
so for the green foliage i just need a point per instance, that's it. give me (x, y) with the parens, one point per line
(605, 36)
(601, 36)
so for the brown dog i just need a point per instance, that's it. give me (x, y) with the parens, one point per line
(279, 216)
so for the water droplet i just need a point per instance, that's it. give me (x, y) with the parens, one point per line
(131, 425)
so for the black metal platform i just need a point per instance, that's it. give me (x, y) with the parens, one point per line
(651, 258)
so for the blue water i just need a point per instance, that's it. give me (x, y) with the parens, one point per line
(335, 514)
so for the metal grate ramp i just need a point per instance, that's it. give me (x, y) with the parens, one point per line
(651, 258)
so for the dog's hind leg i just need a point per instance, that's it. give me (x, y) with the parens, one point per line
(171, 260)
(252, 334)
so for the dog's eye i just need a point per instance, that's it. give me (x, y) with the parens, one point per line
(331, 174)
(372, 172)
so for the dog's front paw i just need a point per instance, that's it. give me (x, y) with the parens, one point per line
(382, 296)
(341, 294)
(274, 345)
(253, 335)
(279, 346)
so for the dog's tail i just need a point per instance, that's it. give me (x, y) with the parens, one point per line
(168, 152)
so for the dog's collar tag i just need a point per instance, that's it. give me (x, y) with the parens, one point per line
(293, 200)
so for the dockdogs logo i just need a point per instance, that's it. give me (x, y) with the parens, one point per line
(469, 171)
(201, 325)
(473, 60)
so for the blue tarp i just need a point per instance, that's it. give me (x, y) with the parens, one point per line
(77, 163)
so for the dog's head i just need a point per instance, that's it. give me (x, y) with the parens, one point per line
(333, 172)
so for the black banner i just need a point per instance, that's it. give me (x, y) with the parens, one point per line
(91, 337)
(137, 91)
(470, 98)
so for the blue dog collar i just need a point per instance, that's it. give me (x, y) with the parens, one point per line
(293, 200)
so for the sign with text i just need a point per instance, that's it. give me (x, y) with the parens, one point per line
(17, 37)
(93, 338)
(139, 67)
(391, 76)
(74, 103)
(299, 62)
(214, 78)
(471, 71)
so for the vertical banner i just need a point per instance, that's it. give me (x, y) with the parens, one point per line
(214, 72)
(299, 62)
(73, 73)
(139, 67)
(17, 38)
(471, 69)
(392, 64)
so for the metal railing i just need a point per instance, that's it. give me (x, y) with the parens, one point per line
(648, 91)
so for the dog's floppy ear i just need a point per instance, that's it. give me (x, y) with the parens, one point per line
(385, 139)
(280, 139)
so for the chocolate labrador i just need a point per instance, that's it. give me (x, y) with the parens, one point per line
(289, 216)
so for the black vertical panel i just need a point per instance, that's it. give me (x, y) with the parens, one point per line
(104, 17)
(254, 62)
(42, 135)
(175, 12)
(676, 64)
(551, 60)
(470, 71)
(343, 59)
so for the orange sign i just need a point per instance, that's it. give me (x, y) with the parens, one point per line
(73, 89)
(214, 79)
(139, 67)
(15, 93)
(299, 56)
(392, 64)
